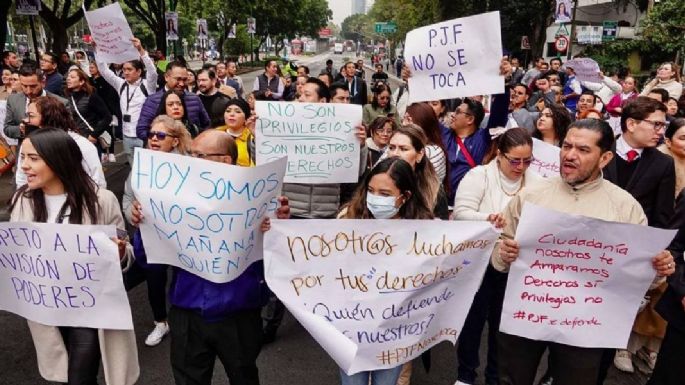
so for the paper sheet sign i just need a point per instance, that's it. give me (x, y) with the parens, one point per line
(455, 58)
(112, 34)
(546, 161)
(318, 139)
(586, 69)
(578, 280)
(204, 216)
(377, 293)
(63, 275)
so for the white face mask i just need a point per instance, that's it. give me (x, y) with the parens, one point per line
(381, 207)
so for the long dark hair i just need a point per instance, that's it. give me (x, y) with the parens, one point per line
(61, 153)
(403, 176)
(54, 113)
(161, 110)
(423, 115)
(561, 119)
(377, 90)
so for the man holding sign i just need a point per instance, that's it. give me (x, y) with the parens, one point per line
(209, 319)
(581, 190)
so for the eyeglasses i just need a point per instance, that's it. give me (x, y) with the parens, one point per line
(657, 126)
(203, 156)
(457, 112)
(517, 162)
(159, 135)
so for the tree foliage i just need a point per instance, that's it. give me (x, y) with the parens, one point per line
(664, 26)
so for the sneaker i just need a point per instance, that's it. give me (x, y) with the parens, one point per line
(111, 158)
(623, 361)
(648, 357)
(161, 329)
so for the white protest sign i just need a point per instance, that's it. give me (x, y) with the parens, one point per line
(112, 34)
(63, 275)
(318, 139)
(585, 69)
(545, 159)
(204, 216)
(377, 293)
(455, 58)
(201, 28)
(578, 280)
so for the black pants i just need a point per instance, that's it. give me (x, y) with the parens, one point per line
(571, 365)
(83, 349)
(669, 365)
(195, 345)
(272, 315)
(156, 277)
(487, 306)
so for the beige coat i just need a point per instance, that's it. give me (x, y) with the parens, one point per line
(118, 347)
(597, 199)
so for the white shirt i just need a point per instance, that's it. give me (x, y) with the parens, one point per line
(53, 204)
(137, 98)
(91, 162)
(622, 148)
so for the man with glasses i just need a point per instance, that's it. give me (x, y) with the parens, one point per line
(519, 115)
(647, 174)
(54, 81)
(176, 77)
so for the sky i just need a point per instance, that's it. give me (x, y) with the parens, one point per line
(342, 8)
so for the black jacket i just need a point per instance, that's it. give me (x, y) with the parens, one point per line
(359, 94)
(93, 109)
(652, 184)
(670, 306)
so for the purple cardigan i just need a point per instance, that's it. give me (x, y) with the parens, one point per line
(196, 112)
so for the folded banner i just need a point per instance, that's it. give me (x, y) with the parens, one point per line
(318, 139)
(377, 293)
(204, 216)
(63, 275)
(455, 58)
(112, 34)
(579, 281)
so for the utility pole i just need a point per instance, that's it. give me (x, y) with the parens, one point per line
(573, 31)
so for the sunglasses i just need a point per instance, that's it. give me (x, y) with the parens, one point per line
(159, 135)
(517, 162)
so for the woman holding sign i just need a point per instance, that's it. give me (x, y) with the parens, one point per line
(166, 135)
(389, 191)
(483, 194)
(58, 190)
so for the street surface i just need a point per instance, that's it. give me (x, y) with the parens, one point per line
(294, 358)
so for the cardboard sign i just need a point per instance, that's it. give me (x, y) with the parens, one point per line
(63, 275)
(377, 293)
(578, 281)
(204, 216)
(455, 58)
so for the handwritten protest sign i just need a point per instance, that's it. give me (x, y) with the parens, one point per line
(578, 280)
(377, 293)
(112, 34)
(318, 139)
(63, 275)
(545, 159)
(455, 58)
(586, 69)
(204, 216)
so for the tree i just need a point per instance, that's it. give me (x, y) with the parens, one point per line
(664, 26)
(151, 12)
(358, 27)
(59, 17)
(4, 13)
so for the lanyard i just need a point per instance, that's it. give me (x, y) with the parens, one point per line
(466, 153)
(129, 98)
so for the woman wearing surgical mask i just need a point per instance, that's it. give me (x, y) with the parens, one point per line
(482, 195)
(389, 191)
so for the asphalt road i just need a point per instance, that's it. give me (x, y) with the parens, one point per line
(294, 358)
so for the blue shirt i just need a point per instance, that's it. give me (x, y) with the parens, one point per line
(477, 143)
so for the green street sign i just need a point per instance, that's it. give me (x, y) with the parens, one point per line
(610, 30)
(386, 27)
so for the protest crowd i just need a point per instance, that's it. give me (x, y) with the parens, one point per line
(618, 156)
